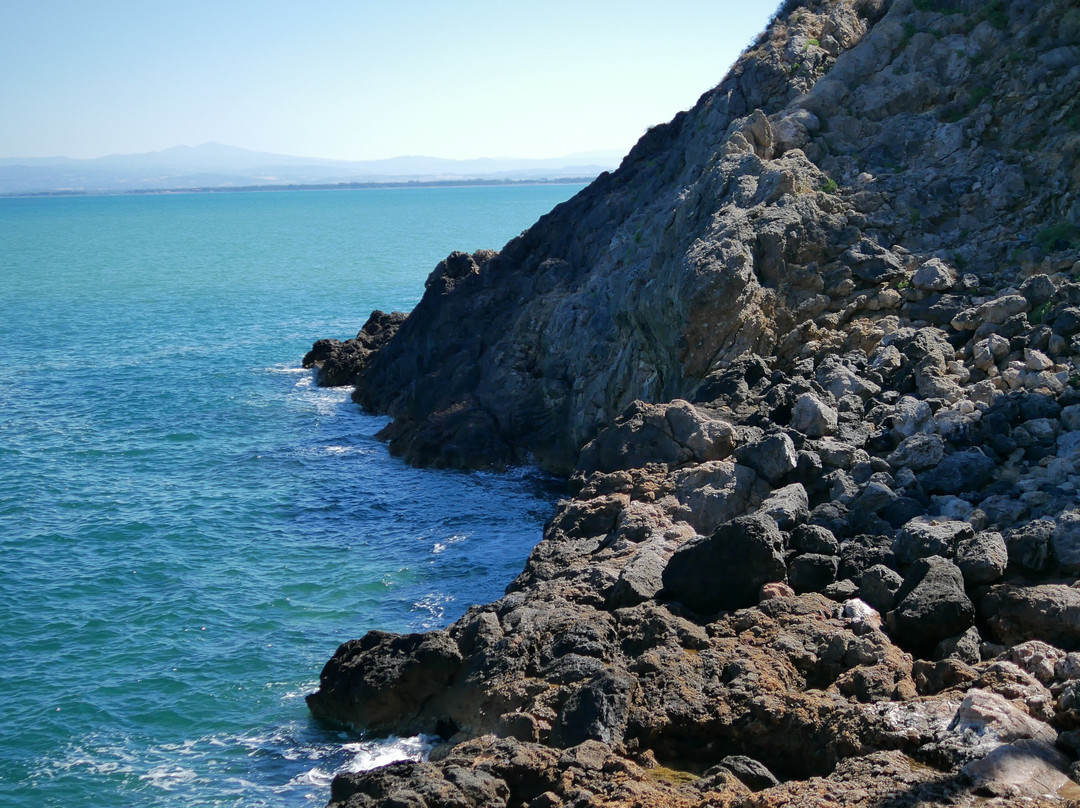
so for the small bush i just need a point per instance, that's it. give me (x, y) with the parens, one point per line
(1058, 237)
(909, 31)
(830, 186)
(997, 14)
(1038, 314)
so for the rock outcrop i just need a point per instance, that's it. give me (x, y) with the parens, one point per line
(811, 361)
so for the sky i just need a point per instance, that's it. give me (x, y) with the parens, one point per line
(357, 80)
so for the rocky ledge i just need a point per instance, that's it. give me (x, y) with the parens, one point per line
(810, 360)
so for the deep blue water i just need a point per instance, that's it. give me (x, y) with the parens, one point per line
(189, 527)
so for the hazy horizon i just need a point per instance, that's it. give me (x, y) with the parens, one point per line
(358, 82)
(591, 153)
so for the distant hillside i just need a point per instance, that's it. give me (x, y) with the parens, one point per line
(213, 165)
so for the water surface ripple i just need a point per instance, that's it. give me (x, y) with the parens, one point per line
(188, 526)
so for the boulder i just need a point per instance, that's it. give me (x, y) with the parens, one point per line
(726, 570)
(673, 433)
(378, 683)
(1048, 612)
(812, 572)
(814, 539)
(963, 471)
(923, 537)
(879, 586)
(918, 452)
(1065, 541)
(982, 558)
(964, 647)
(1022, 770)
(1030, 545)
(753, 774)
(789, 506)
(771, 457)
(931, 605)
(911, 416)
(934, 276)
(813, 417)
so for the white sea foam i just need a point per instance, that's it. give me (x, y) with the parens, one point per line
(433, 607)
(169, 777)
(440, 546)
(289, 369)
(367, 755)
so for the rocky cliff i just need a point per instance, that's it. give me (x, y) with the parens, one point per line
(812, 358)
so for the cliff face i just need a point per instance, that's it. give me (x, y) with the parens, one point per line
(854, 141)
(813, 357)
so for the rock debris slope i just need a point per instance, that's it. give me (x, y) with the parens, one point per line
(811, 359)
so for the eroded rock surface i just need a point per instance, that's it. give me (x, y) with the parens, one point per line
(811, 360)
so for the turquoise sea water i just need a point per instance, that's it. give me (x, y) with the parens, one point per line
(189, 527)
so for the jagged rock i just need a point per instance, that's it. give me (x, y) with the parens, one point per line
(813, 417)
(982, 558)
(1049, 612)
(726, 570)
(964, 647)
(342, 363)
(1038, 658)
(918, 452)
(379, 682)
(751, 772)
(862, 552)
(815, 539)
(1030, 545)
(812, 572)
(788, 506)
(674, 434)
(640, 580)
(712, 493)
(923, 537)
(878, 587)
(931, 605)
(1065, 541)
(777, 256)
(840, 380)
(963, 471)
(771, 457)
(934, 276)
(597, 711)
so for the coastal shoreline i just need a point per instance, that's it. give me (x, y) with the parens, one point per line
(811, 361)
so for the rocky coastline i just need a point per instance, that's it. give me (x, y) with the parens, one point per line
(810, 361)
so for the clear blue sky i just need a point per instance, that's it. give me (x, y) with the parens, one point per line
(357, 80)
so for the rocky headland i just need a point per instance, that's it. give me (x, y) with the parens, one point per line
(810, 361)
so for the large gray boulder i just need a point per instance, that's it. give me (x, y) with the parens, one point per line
(813, 417)
(931, 605)
(963, 471)
(771, 457)
(727, 569)
(789, 506)
(673, 434)
(924, 536)
(1048, 612)
(982, 558)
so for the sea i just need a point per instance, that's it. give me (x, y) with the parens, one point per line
(189, 526)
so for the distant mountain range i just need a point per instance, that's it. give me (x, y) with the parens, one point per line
(215, 166)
